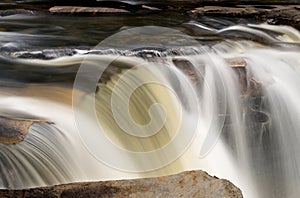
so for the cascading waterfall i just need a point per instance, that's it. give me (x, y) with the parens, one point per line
(39, 160)
(247, 116)
(278, 139)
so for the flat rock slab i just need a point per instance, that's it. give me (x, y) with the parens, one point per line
(186, 184)
(94, 10)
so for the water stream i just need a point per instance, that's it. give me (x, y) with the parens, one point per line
(240, 123)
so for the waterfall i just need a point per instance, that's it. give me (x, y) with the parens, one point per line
(229, 108)
(41, 159)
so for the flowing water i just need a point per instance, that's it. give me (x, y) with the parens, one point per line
(218, 97)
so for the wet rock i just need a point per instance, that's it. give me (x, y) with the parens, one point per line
(45, 54)
(236, 62)
(136, 6)
(255, 87)
(9, 12)
(186, 184)
(14, 130)
(238, 65)
(88, 7)
(100, 10)
(82, 10)
(274, 14)
(151, 8)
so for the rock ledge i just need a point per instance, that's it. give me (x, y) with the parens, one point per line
(185, 184)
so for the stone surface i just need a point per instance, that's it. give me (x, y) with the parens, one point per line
(92, 10)
(273, 14)
(186, 184)
(14, 130)
(236, 62)
(9, 12)
(134, 6)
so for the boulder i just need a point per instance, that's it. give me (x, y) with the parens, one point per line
(185, 184)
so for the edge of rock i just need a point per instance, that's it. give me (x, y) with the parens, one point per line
(186, 184)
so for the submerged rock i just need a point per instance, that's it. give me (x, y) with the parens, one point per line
(186, 184)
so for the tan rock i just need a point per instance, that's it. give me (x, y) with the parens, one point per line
(14, 130)
(186, 184)
(93, 10)
(236, 62)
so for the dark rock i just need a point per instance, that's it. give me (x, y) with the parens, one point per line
(16, 11)
(275, 14)
(137, 5)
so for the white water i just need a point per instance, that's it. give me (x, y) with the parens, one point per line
(257, 148)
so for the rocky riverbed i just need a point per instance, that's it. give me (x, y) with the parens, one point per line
(186, 184)
(273, 12)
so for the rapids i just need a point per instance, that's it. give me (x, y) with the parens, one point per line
(160, 111)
